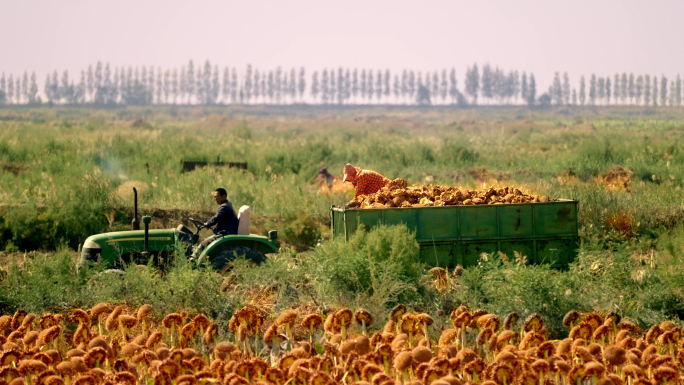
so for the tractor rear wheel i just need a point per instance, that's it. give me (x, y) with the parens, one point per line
(223, 261)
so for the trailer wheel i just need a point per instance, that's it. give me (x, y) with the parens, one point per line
(222, 262)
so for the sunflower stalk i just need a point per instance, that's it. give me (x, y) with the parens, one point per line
(122, 328)
(256, 344)
(99, 325)
(311, 334)
(427, 336)
(275, 352)
(288, 333)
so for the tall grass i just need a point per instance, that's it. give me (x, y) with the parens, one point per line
(51, 283)
(376, 270)
(62, 167)
(62, 171)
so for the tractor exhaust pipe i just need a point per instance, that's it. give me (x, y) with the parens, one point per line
(135, 224)
(146, 221)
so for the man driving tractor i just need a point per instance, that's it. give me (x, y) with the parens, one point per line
(225, 220)
(232, 239)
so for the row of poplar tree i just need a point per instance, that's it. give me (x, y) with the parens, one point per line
(208, 85)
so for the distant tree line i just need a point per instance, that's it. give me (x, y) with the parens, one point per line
(208, 85)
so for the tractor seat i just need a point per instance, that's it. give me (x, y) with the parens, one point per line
(243, 220)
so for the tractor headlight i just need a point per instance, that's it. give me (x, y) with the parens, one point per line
(88, 244)
(90, 253)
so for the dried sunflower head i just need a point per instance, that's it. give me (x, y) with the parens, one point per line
(511, 320)
(665, 374)
(343, 317)
(629, 326)
(594, 369)
(127, 320)
(593, 319)
(533, 323)
(312, 321)
(506, 337)
(461, 320)
(48, 335)
(144, 311)
(80, 316)
(18, 318)
(447, 337)
(173, 320)
(397, 312)
(363, 316)
(653, 333)
(424, 319)
(583, 331)
(489, 321)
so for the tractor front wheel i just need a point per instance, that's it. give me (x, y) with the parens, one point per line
(223, 261)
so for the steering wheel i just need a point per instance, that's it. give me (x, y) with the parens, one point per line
(199, 225)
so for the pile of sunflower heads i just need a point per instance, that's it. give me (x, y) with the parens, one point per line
(397, 193)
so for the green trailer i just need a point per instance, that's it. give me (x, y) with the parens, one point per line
(458, 235)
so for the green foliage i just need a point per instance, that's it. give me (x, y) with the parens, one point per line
(303, 231)
(51, 283)
(638, 288)
(458, 151)
(72, 216)
(180, 287)
(504, 288)
(380, 264)
(281, 275)
(61, 180)
(46, 282)
(376, 270)
(61, 170)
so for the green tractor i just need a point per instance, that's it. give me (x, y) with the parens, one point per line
(117, 249)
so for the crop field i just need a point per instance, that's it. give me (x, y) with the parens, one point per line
(67, 173)
(111, 344)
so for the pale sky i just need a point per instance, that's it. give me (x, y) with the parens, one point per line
(542, 36)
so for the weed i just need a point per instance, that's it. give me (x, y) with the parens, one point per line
(372, 263)
(623, 223)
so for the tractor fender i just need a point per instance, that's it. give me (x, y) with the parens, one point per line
(253, 241)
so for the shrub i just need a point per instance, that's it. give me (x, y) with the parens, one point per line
(381, 261)
(51, 283)
(458, 152)
(504, 288)
(303, 231)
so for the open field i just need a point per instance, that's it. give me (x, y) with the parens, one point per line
(68, 173)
